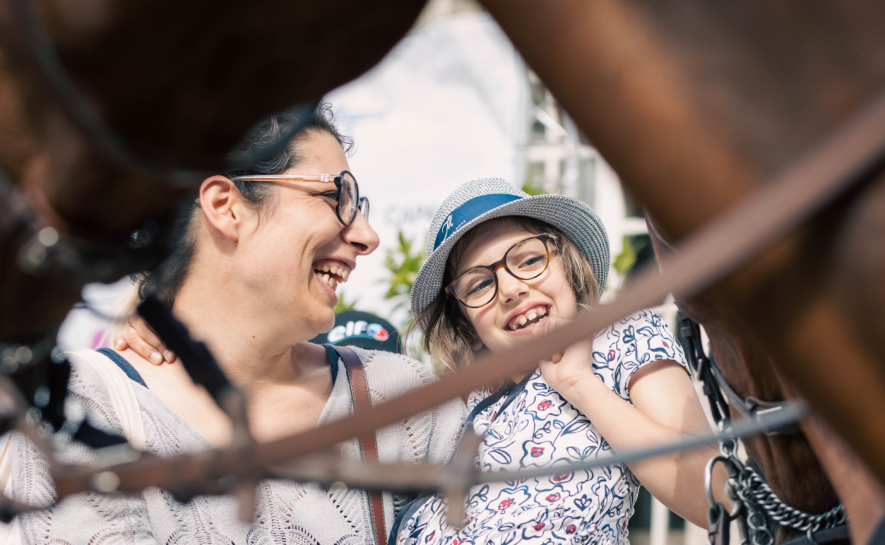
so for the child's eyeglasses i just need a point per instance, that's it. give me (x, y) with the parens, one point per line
(348, 191)
(525, 260)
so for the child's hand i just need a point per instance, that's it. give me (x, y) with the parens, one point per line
(568, 371)
(139, 337)
(571, 370)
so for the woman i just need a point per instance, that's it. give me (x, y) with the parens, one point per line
(253, 274)
(503, 268)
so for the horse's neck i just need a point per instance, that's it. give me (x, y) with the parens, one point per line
(790, 465)
(863, 497)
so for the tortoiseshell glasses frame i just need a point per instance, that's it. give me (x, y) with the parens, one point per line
(530, 259)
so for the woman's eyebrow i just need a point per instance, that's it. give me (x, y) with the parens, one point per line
(319, 190)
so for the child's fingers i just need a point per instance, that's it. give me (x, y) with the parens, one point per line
(120, 343)
(142, 330)
(554, 358)
(138, 345)
(145, 342)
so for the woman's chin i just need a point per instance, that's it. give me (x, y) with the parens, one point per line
(324, 320)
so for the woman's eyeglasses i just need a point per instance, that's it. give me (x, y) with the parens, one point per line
(525, 260)
(348, 192)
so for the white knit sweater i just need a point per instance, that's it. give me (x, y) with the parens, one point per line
(286, 513)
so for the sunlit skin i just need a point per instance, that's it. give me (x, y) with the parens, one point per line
(252, 294)
(515, 297)
(665, 407)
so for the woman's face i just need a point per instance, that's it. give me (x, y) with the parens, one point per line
(522, 308)
(296, 252)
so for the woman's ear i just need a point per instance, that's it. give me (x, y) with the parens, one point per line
(476, 346)
(218, 199)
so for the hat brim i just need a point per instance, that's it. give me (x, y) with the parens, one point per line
(574, 218)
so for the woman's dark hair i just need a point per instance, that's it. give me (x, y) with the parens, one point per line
(259, 152)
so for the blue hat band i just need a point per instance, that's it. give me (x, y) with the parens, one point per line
(469, 211)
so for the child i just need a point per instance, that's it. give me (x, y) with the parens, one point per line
(504, 267)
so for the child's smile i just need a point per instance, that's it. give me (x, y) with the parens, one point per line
(521, 308)
(528, 317)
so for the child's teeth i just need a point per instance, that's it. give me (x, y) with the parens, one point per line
(333, 283)
(522, 320)
(345, 275)
(512, 327)
(532, 315)
(542, 311)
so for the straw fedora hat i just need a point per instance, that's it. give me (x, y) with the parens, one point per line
(481, 200)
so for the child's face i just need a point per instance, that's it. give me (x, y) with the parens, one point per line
(532, 306)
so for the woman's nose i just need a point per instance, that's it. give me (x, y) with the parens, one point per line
(361, 236)
(510, 288)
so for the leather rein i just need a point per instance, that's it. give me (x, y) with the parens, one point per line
(718, 391)
(757, 509)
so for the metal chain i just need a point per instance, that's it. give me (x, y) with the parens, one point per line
(783, 513)
(759, 528)
(763, 506)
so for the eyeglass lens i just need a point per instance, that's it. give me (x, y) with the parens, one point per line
(347, 199)
(364, 207)
(525, 260)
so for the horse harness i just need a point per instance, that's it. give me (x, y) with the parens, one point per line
(755, 507)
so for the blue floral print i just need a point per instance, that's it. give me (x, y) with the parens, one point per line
(538, 429)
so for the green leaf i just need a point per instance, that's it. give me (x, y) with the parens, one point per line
(532, 189)
(344, 305)
(625, 260)
(402, 264)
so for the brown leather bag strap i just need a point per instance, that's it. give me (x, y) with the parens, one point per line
(359, 387)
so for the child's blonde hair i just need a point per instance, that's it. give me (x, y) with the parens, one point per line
(450, 335)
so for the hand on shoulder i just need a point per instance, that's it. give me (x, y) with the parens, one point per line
(138, 337)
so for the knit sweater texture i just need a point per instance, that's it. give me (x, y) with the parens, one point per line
(286, 512)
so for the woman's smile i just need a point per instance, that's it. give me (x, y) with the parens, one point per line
(332, 272)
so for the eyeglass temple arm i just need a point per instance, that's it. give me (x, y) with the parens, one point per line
(325, 178)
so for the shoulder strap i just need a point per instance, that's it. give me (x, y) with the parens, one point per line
(120, 392)
(482, 406)
(359, 387)
(125, 406)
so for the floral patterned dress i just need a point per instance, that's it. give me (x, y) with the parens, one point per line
(533, 426)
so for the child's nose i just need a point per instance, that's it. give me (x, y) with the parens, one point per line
(509, 287)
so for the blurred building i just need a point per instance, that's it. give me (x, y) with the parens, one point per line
(454, 102)
(558, 158)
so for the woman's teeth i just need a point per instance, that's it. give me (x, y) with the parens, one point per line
(332, 274)
(340, 272)
(329, 280)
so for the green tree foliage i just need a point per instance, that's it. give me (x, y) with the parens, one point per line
(637, 252)
(624, 261)
(532, 189)
(403, 264)
(343, 304)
